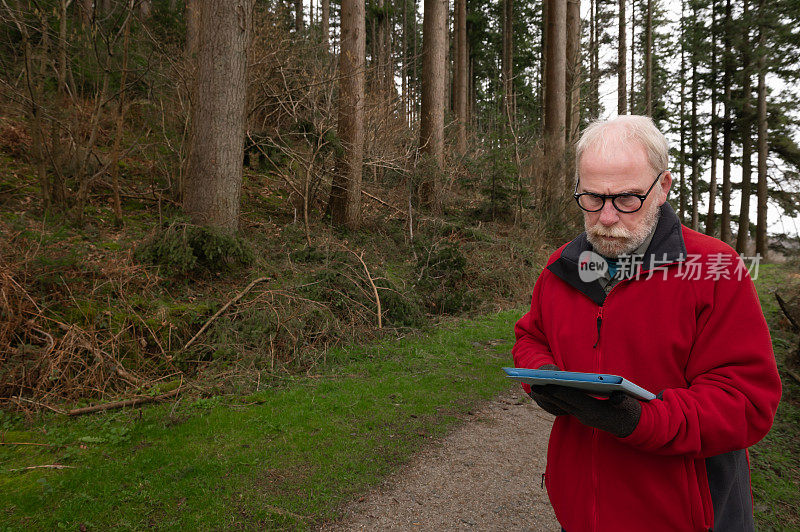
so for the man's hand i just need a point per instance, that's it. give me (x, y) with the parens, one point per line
(543, 401)
(619, 414)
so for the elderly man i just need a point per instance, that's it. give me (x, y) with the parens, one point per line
(675, 312)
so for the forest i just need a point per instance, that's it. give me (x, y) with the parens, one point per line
(152, 146)
(203, 198)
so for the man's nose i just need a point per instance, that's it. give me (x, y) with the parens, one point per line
(608, 214)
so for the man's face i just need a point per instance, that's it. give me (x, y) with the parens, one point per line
(621, 170)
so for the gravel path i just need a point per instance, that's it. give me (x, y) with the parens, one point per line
(485, 475)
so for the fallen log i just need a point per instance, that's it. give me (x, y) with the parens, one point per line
(121, 404)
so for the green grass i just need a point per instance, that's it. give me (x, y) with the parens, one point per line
(285, 457)
(291, 454)
(775, 461)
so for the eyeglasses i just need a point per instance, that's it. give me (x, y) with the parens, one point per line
(625, 202)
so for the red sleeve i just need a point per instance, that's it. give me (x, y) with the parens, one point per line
(531, 349)
(734, 387)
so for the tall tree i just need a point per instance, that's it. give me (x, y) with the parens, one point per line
(434, 59)
(761, 204)
(192, 15)
(325, 23)
(214, 175)
(507, 63)
(648, 60)
(555, 99)
(461, 74)
(712, 182)
(573, 78)
(631, 89)
(682, 119)
(727, 126)
(745, 127)
(298, 15)
(694, 133)
(345, 202)
(622, 59)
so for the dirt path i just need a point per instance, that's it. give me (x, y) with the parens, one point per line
(485, 475)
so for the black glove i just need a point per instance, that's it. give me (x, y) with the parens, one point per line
(543, 401)
(619, 414)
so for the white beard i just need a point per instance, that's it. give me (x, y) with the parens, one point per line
(627, 241)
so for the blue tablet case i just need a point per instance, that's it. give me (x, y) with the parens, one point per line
(595, 383)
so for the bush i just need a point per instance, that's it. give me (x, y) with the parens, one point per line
(182, 248)
(440, 270)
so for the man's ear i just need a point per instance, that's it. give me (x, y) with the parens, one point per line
(666, 184)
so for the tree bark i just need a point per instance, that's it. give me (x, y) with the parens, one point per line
(325, 24)
(744, 212)
(573, 88)
(622, 56)
(763, 150)
(434, 59)
(595, 62)
(712, 184)
(631, 91)
(214, 177)
(298, 15)
(461, 74)
(573, 78)
(192, 14)
(345, 202)
(555, 110)
(694, 134)
(648, 59)
(507, 63)
(727, 131)
(682, 120)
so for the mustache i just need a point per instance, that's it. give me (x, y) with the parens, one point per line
(614, 231)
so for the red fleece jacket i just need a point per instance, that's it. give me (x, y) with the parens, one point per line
(700, 341)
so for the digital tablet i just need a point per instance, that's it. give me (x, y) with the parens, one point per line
(595, 383)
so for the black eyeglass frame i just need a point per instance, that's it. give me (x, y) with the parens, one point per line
(613, 197)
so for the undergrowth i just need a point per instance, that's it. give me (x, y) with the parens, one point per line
(93, 312)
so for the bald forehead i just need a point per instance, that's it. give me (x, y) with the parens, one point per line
(610, 168)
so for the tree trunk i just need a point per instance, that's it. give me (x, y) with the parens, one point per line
(345, 200)
(214, 177)
(434, 59)
(648, 59)
(298, 15)
(415, 78)
(727, 131)
(682, 121)
(326, 16)
(622, 56)
(594, 75)
(573, 88)
(543, 60)
(631, 91)
(573, 71)
(507, 63)
(461, 74)
(192, 14)
(693, 132)
(555, 113)
(761, 216)
(712, 184)
(744, 212)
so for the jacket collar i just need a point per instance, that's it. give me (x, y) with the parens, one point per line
(666, 247)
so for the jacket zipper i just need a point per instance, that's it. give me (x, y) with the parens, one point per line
(599, 324)
(595, 481)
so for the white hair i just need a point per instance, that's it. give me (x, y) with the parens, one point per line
(605, 135)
